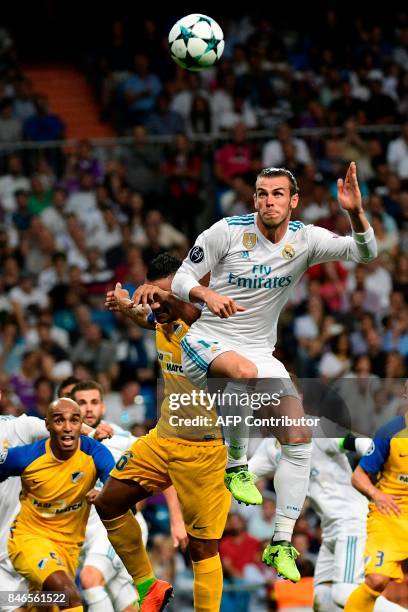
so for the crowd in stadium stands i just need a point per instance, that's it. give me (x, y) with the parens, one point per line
(73, 225)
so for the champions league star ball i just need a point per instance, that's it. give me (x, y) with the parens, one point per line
(196, 42)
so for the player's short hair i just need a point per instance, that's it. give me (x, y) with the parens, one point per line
(87, 385)
(162, 266)
(272, 172)
(67, 382)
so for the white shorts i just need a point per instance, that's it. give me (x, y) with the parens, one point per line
(98, 552)
(199, 353)
(341, 560)
(11, 581)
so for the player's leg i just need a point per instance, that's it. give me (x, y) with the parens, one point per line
(11, 582)
(322, 579)
(206, 359)
(121, 592)
(385, 549)
(47, 566)
(207, 574)
(124, 532)
(60, 582)
(93, 589)
(100, 566)
(139, 473)
(291, 483)
(205, 509)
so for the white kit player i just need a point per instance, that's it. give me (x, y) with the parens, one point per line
(342, 512)
(106, 584)
(14, 431)
(255, 260)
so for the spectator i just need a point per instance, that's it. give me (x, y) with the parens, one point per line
(182, 169)
(273, 151)
(140, 91)
(11, 182)
(40, 198)
(44, 125)
(93, 351)
(235, 158)
(10, 127)
(397, 153)
(164, 121)
(22, 382)
(127, 406)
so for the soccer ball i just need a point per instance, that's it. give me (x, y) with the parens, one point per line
(196, 42)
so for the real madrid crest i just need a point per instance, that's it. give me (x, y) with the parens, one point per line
(249, 240)
(288, 251)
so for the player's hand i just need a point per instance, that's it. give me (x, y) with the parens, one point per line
(386, 504)
(91, 496)
(179, 535)
(103, 431)
(148, 295)
(221, 305)
(348, 191)
(118, 299)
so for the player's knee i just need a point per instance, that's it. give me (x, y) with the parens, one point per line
(91, 577)
(341, 591)
(245, 369)
(202, 549)
(322, 600)
(377, 582)
(106, 510)
(296, 436)
(61, 582)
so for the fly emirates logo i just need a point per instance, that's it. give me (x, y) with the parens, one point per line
(260, 279)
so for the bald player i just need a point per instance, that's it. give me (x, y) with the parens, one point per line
(56, 475)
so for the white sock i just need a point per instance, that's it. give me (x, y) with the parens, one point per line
(383, 605)
(323, 601)
(236, 436)
(291, 483)
(97, 599)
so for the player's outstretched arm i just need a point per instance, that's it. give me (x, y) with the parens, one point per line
(386, 504)
(349, 197)
(118, 300)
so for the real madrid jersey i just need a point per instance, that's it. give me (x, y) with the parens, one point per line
(14, 431)
(259, 274)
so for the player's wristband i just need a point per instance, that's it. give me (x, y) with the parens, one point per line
(348, 443)
(92, 433)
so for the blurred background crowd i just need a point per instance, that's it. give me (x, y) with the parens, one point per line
(76, 217)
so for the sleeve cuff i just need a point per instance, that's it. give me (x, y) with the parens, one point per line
(363, 237)
(183, 285)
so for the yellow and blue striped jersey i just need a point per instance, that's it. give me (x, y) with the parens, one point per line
(387, 459)
(53, 491)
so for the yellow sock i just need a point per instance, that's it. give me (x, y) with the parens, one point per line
(125, 535)
(207, 584)
(362, 598)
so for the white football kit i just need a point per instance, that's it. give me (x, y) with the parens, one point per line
(258, 275)
(14, 431)
(97, 551)
(341, 509)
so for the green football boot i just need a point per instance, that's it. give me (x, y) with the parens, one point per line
(281, 555)
(241, 483)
